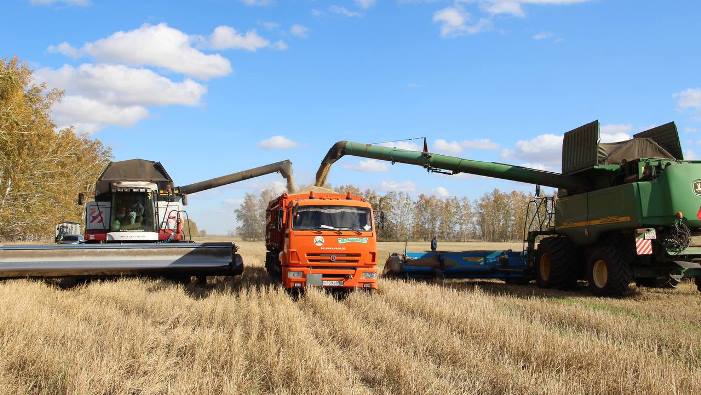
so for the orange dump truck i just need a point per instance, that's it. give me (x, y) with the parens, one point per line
(321, 239)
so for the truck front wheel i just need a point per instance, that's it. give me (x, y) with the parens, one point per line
(609, 273)
(556, 263)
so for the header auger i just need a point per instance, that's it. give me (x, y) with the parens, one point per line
(626, 211)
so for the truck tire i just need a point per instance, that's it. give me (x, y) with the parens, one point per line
(556, 263)
(272, 266)
(609, 272)
(698, 283)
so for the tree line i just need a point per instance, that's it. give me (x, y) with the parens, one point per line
(495, 216)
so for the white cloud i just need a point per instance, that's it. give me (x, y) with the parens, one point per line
(690, 130)
(65, 49)
(299, 31)
(545, 149)
(441, 192)
(689, 99)
(615, 132)
(257, 3)
(226, 37)
(515, 7)
(102, 95)
(154, 45)
(339, 10)
(405, 145)
(89, 115)
(542, 36)
(455, 147)
(122, 85)
(81, 3)
(449, 147)
(398, 186)
(454, 21)
(277, 142)
(364, 4)
(369, 166)
(280, 45)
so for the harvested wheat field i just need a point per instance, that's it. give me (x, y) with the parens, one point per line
(246, 335)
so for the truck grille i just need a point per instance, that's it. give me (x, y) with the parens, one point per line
(337, 259)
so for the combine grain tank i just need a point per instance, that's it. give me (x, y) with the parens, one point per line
(625, 212)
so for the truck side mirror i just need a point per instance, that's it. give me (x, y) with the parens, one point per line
(184, 199)
(81, 198)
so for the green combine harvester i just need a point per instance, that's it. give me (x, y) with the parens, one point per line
(624, 212)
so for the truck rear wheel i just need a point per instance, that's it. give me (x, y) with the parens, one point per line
(272, 266)
(609, 273)
(556, 263)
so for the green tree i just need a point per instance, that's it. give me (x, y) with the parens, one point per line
(42, 169)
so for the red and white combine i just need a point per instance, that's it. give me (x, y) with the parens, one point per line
(135, 226)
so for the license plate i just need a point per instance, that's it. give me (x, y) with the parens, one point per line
(332, 283)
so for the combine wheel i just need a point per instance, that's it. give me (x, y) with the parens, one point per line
(609, 273)
(237, 265)
(556, 264)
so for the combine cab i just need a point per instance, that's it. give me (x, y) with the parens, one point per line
(134, 226)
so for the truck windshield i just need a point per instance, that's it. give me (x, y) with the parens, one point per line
(132, 212)
(332, 218)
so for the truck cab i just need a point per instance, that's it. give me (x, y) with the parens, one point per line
(321, 239)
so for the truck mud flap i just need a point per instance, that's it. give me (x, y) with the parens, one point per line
(212, 259)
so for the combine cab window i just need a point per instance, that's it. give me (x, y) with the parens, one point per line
(332, 218)
(132, 212)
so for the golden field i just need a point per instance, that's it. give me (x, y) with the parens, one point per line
(246, 335)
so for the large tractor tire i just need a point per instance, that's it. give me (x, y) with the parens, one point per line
(609, 272)
(556, 263)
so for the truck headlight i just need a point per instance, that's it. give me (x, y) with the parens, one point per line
(369, 275)
(292, 274)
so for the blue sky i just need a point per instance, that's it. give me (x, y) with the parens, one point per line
(216, 86)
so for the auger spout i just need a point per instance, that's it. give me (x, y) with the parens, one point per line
(283, 167)
(445, 163)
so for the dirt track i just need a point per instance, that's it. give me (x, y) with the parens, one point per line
(246, 335)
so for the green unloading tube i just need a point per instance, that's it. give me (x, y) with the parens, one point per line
(446, 163)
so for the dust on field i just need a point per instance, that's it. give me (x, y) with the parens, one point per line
(247, 335)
